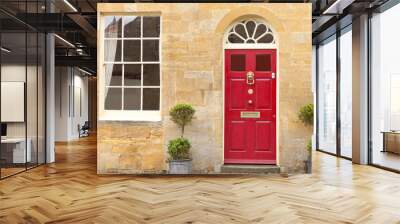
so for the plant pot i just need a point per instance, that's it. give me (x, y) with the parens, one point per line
(308, 165)
(180, 166)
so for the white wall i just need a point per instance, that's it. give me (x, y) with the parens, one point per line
(71, 103)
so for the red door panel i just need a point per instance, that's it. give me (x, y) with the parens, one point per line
(263, 94)
(263, 136)
(250, 111)
(238, 136)
(237, 91)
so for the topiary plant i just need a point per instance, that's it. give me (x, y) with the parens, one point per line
(178, 149)
(306, 114)
(182, 114)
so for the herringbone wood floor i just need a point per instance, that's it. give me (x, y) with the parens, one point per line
(69, 191)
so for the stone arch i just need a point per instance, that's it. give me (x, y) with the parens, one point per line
(243, 13)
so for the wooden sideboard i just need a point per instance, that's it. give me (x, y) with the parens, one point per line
(391, 141)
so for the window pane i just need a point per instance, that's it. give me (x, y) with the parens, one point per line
(327, 96)
(267, 38)
(32, 99)
(151, 99)
(241, 30)
(113, 26)
(113, 75)
(41, 103)
(150, 50)
(346, 94)
(385, 88)
(131, 50)
(238, 62)
(151, 26)
(132, 26)
(132, 75)
(132, 99)
(151, 74)
(234, 38)
(112, 50)
(113, 99)
(250, 26)
(15, 74)
(263, 62)
(261, 29)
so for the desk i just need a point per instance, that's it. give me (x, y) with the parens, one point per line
(15, 148)
(391, 141)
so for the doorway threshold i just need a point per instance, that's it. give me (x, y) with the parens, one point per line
(250, 168)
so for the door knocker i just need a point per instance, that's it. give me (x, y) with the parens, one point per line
(250, 78)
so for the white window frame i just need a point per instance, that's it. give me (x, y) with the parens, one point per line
(126, 115)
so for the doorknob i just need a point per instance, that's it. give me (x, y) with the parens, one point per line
(250, 78)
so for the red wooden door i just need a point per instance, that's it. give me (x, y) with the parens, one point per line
(250, 106)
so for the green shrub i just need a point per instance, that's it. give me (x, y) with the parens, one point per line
(306, 114)
(309, 145)
(178, 149)
(182, 114)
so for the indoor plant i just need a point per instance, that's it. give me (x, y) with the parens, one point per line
(306, 115)
(180, 161)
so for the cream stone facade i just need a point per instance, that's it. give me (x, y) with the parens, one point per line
(192, 71)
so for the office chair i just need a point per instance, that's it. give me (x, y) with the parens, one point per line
(84, 130)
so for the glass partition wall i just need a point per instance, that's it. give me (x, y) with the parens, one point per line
(334, 93)
(385, 90)
(327, 95)
(22, 77)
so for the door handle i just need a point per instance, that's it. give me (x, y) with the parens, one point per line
(250, 78)
(273, 75)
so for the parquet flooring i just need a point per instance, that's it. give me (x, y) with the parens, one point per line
(69, 191)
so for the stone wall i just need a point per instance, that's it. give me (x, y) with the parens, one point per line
(130, 147)
(192, 72)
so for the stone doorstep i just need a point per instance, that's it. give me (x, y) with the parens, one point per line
(227, 170)
(253, 169)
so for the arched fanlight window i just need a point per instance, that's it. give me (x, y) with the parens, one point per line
(250, 32)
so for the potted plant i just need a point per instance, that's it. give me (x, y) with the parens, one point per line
(306, 115)
(180, 161)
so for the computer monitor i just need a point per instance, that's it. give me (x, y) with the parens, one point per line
(3, 129)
